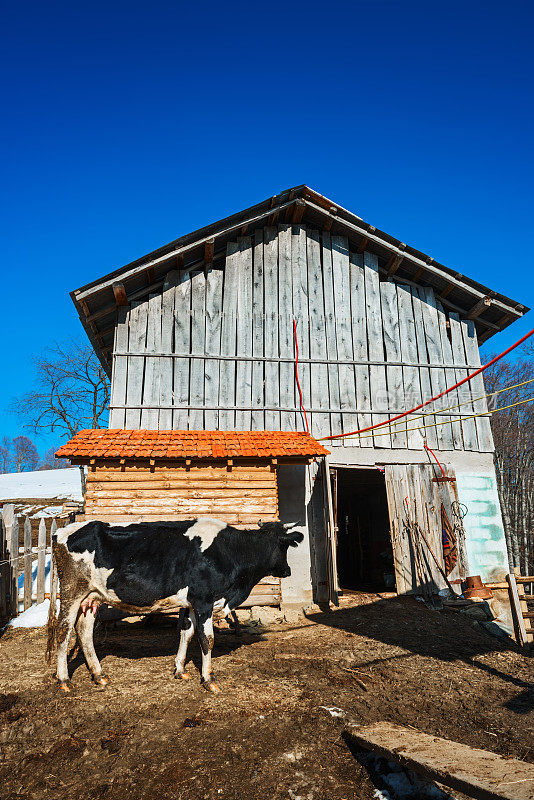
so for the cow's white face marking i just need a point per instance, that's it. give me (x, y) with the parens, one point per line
(206, 529)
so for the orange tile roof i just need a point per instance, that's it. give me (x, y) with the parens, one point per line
(116, 444)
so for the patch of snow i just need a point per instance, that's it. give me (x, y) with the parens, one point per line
(402, 784)
(333, 711)
(33, 617)
(46, 484)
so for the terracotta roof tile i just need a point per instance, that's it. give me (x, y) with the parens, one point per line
(115, 443)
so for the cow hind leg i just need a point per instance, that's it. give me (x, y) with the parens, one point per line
(206, 639)
(65, 624)
(186, 626)
(85, 629)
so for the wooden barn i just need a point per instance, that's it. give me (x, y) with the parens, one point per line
(203, 334)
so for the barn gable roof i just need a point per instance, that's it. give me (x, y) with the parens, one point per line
(97, 302)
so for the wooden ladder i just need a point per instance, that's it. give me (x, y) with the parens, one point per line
(522, 606)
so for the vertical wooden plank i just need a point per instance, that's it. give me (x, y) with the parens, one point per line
(198, 331)
(166, 366)
(299, 272)
(270, 274)
(182, 345)
(137, 323)
(410, 375)
(428, 419)
(41, 557)
(4, 571)
(450, 399)
(429, 519)
(117, 416)
(435, 355)
(395, 387)
(377, 373)
(396, 490)
(359, 345)
(485, 438)
(331, 550)
(243, 419)
(285, 329)
(459, 356)
(227, 394)
(27, 563)
(347, 387)
(258, 324)
(150, 411)
(331, 341)
(214, 293)
(15, 562)
(318, 371)
(53, 569)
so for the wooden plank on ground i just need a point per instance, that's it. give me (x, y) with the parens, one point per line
(477, 773)
(330, 327)
(258, 325)
(375, 342)
(359, 344)
(243, 419)
(214, 291)
(318, 372)
(270, 276)
(165, 364)
(182, 344)
(299, 272)
(285, 329)
(120, 370)
(196, 372)
(347, 387)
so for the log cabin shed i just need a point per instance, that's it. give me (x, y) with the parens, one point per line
(200, 341)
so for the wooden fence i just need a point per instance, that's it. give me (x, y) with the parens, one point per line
(25, 562)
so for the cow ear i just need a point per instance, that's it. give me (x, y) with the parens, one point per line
(293, 539)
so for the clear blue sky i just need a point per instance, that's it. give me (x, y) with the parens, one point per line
(127, 124)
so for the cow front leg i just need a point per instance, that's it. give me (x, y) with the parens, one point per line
(85, 629)
(186, 626)
(206, 639)
(65, 624)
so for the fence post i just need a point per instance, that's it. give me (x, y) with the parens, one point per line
(41, 559)
(27, 563)
(15, 561)
(4, 572)
(53, 575)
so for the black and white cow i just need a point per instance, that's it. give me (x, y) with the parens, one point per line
(199, 565)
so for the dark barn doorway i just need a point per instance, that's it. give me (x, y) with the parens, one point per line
(364, 550)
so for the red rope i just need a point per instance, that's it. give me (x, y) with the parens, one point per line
(437, 396)
(297, 375)
(436, 458)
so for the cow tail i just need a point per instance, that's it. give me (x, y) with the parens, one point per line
(52, 613)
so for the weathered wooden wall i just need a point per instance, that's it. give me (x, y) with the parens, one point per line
(215, 349)
(240, 496)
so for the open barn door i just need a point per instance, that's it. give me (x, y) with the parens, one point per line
(426, 528)
(330, 535)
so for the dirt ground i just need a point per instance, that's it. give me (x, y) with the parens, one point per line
(268, 735)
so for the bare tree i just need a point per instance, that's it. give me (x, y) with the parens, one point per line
(49, 461)
(71, 392)
(513, 434)
(24, 454)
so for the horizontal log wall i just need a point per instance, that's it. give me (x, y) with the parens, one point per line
(215, 348)
(242, 495)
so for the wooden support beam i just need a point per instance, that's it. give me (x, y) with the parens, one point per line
(149, 276)
(395, 261)
(446, 291)
(179, 261)
(420, 272)
(119, 291)
(229, 464)
(208, 251)
(298, 211)
(480, 307)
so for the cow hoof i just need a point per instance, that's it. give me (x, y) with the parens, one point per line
(185, 676)
(101, 679)
(66, 687)
(211, 686)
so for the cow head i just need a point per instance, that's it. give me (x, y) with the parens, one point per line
(282, 536)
